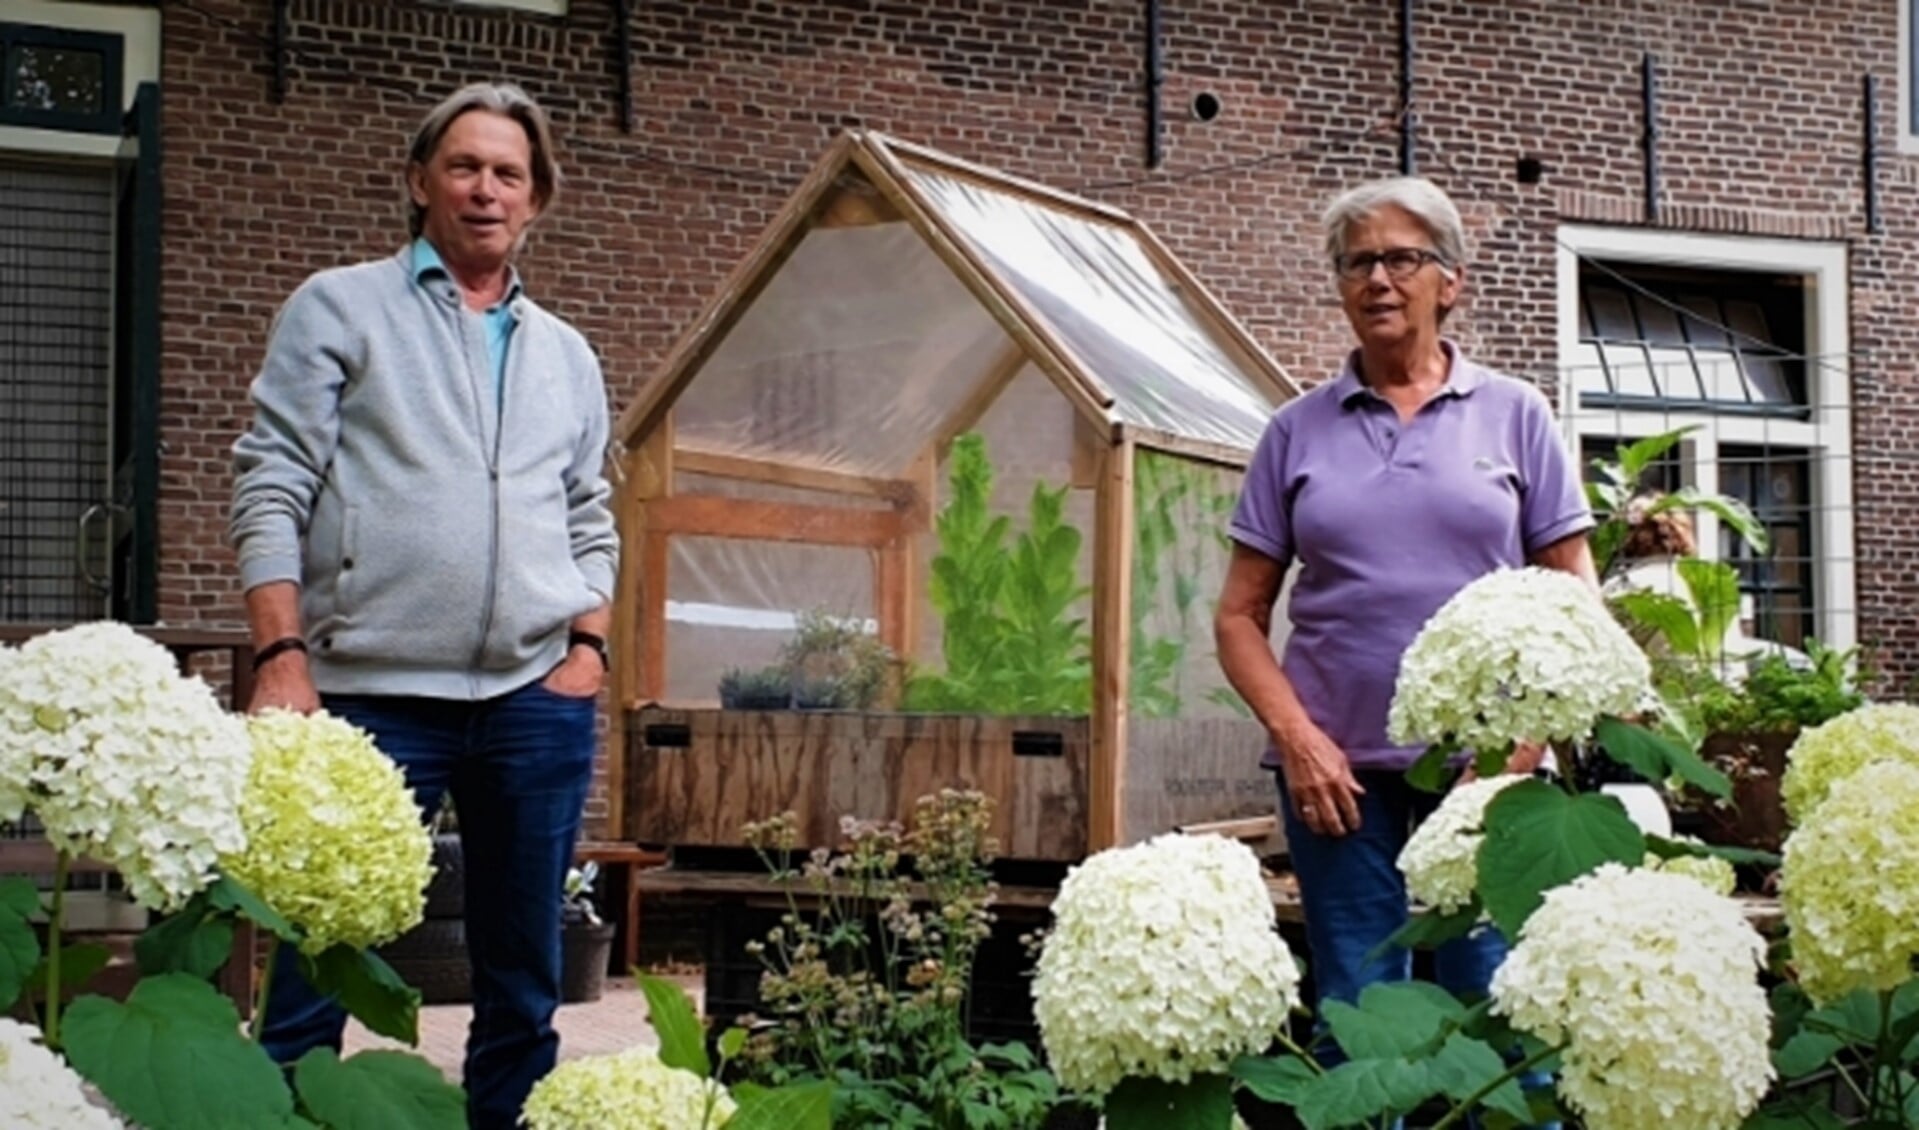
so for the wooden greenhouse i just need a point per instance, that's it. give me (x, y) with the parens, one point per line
(933, 493)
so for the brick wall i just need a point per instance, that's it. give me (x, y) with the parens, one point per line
(735, 99)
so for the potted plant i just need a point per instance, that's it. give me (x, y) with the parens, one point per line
(586, 942)
(834, 663)
(763, 688)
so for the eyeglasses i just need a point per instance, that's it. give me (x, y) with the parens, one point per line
(1402, 263)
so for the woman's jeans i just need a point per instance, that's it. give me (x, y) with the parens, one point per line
(1354, 898)
(517, 767)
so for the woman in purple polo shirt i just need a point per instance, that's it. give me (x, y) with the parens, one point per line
(1410, 473)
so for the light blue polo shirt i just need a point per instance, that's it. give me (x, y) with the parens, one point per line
(1388, 520)
(499, 317)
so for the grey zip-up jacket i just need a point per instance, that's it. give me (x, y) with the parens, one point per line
(442, 542)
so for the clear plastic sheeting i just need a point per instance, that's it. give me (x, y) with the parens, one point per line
(733, 605)
(1102, 294)
(1180, 553)
(855, 355)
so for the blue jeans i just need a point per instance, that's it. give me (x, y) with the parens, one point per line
(1354, 898)
(518, 768)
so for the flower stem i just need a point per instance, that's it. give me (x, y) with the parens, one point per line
(56, 917)
(258, 1023)
(1305, 1057)
(1513, 1072)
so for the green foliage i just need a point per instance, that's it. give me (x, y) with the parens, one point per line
(377, 1090)
(682, 1040)
(1179, 519)
(833, 663)
(172, 1057)
(368, 988)
(1539, 837)
(870, 990)
(1011, 640)
(1619, 484)
(1204, 1102)
(1869, 1040)
(764, 688)
(19, 947)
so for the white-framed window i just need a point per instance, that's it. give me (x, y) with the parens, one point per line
(59, 61)
(1746, 340)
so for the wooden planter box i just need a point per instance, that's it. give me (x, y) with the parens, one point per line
(695, 777)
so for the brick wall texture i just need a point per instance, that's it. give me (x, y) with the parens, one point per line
(1760, 106)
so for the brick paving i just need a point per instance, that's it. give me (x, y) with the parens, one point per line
(615, 1022)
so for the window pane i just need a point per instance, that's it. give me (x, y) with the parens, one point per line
(61, 79)
(1631, 375)
(1720, 374)
(1704, 321)
(1587, 370)
(1767, 377)
(1612, 315)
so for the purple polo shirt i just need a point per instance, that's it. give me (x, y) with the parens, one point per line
(1387, 522)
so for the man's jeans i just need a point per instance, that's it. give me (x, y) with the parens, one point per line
(1354, 898)
(517, 767)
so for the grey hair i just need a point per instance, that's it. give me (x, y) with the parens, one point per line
(501, 98)
(1417, 197)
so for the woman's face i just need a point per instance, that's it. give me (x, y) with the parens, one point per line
(1384, 310)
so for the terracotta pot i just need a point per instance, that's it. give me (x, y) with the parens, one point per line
(1756, 818)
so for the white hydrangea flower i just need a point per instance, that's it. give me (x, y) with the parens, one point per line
(1163, 962)
(1709, 871)
(40, 1092)
(629, 1090)
(334, 838)
(1440, 860)
(1652, 982)
(122, 758)
(1850, 884)
(1824, 755)
(1518, 655)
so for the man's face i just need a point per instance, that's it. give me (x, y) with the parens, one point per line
(477, 189)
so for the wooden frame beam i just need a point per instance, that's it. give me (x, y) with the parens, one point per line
(639, 603)
(712, 516)
(1112, 631)
(798, 476)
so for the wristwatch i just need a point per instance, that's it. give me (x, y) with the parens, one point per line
(598, 643)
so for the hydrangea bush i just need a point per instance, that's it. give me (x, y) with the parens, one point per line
(1163, 963)
(335, 843)
(629, 1090)
(122, 759)
(1850, 884)
(1518, 655)
(1651, 982)
(1441, 860)
(38, 1091)
(1824, 755)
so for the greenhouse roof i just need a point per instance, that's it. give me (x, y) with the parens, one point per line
(900, 290)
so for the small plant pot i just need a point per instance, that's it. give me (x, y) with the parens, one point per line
(585, 949)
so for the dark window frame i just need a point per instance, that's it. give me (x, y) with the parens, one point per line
(110, 46)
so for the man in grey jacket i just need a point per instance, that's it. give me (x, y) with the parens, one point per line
(427, 552)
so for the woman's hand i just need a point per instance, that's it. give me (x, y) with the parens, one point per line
(1320, 781)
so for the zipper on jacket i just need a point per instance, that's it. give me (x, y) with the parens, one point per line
(493, 511)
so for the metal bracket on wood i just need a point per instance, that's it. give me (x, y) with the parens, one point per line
(1155, 78)
(1408, 119)
(1869, 156)
(623, 60)
(1649, 141)
(281, 33)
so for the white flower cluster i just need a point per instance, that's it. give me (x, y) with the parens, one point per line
(1163, 962)
(1824, 755)
(1441, 859)
(38, 1091)
(1652, 982)
(1518, 655)
(1709, 871)
(629, 1090)
(122, 758)
(1850, 884)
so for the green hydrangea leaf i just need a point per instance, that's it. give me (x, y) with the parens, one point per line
(78, 963)
(1399, 1019)
(1538, 838)
(1275, 1080)
(1362, 1090)
(1203, 1103)
(1463, 1065)
(369, 989)
(796, 1106)
(171, 1057)
(19, 945)
(378, 1090)
(193, 940)
(682, 1037)
(230, 895)
(1657, 757)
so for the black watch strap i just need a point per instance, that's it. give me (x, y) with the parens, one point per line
(576, 637)
(276, 649)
